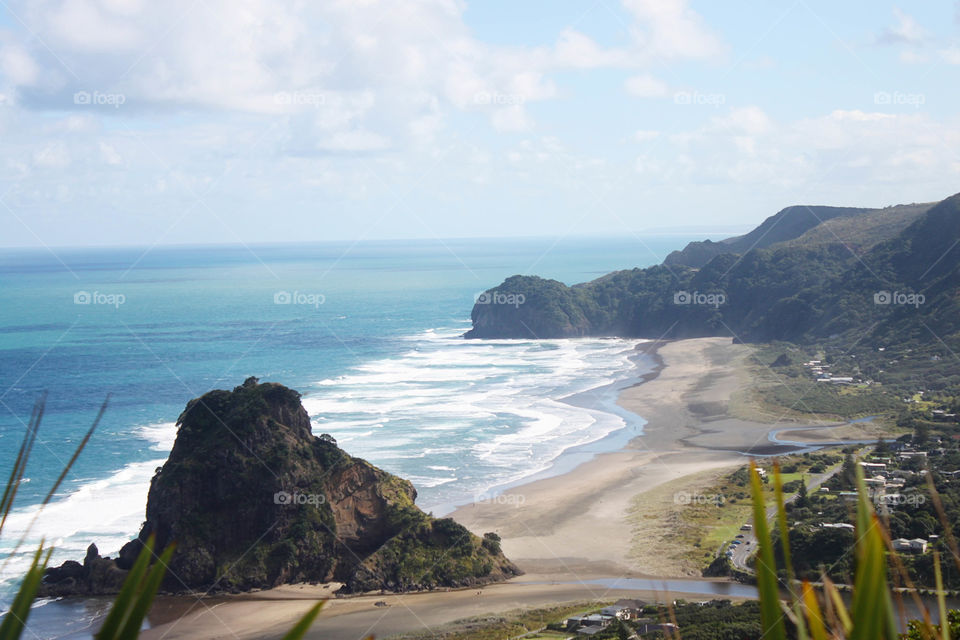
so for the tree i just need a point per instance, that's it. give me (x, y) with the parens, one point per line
(803, 500)
(883, 449)
(848, 473)
(921, 435)
(623, 633)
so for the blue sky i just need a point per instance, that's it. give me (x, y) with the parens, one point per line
(131, 122)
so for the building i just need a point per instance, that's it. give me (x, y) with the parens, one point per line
(628, 608)
(912, 454)
(590, 630)
(613, 611)
(593, 620)
(917, 545)
(648, 625)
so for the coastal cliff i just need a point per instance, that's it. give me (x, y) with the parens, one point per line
(253, 500)
(793, 278)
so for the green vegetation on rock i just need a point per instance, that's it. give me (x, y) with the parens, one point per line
(253, 500)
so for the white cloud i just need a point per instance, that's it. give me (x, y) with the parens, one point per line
(418, 59)
(354, 141)
(109, 154)
(52, 156)
(951, 55)
(644, 135)
(909, 56)
(578, 51)
(906, 31)
(17, 65)
(646, 86)
(668, 29)
(748, 120)
(843, 149)
(511, 118)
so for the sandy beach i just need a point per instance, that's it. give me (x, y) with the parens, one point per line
(563, 530)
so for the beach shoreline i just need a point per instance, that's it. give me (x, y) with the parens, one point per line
(566, 530)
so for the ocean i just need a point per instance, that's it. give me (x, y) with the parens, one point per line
(368, 332)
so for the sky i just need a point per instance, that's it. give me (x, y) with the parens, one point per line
(131, 122)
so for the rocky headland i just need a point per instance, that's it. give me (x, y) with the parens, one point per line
(252, 500)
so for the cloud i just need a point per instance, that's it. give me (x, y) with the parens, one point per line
(750, 120)
(646, 86)
(17, 65)
(645, 135)
(511, 118)
(577, 51)
(843, 151)
(907, 31)
(52, 156)
(669, 29)
(109, 154)
(951, 55)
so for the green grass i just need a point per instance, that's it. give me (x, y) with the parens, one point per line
(509, 624)
(707, 527)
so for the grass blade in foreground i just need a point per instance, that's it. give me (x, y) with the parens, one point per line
(16, 618)
(301, 628)
(873, 614)
(123, 606)
(770, 616)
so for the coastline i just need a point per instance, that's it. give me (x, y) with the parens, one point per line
(570, 532)
(603, 399)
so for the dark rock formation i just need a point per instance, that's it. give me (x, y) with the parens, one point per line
(96, 576)
(254, 500)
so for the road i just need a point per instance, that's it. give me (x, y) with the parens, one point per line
(748, 546)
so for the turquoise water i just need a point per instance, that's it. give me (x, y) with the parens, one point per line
(370, 337)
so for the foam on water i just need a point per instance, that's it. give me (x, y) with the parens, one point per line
(458, 417)
(108, 512)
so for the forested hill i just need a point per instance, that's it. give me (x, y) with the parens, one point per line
(872, 275)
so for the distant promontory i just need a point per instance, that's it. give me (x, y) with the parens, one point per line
(807, 273)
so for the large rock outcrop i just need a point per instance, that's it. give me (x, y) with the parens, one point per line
(253, 500)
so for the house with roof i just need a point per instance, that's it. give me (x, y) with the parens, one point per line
(624, 609)
(649, 625)
(917, 545)
(593, 620)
